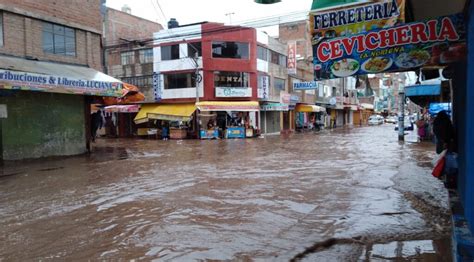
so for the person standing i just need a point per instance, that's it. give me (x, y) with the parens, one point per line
(444, 132)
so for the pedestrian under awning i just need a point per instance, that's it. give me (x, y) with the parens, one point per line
(309, 108)
(169, 112)
(236, 106)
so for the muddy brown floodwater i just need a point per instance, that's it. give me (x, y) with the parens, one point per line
(346, 195)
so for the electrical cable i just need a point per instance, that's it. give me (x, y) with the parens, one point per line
(257, 23)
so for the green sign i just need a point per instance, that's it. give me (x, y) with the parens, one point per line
(267, 1)
(320, 4)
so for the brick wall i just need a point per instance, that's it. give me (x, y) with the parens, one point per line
(120, 25)
(23, 38)
(297, 31)
(123, 25)
(74, 13)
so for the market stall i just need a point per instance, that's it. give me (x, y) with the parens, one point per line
(308, 117)
(172, 120)
(232, 119)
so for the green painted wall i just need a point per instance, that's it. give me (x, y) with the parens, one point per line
(43, 124)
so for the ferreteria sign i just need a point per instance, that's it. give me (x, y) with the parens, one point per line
(57, 84)
(400, 48)
(356, 19)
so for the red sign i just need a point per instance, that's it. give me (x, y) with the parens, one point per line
(292, 58)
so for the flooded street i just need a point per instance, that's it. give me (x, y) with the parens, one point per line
(345, 195)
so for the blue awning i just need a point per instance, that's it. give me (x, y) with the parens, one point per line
(423, 90)
(435, 108)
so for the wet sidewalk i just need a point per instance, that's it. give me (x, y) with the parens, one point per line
(342, 195)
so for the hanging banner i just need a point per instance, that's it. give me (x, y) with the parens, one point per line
(291, 58)
(352, 20)
(400, 48)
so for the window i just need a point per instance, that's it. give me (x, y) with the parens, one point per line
(1, 29)
(59, 39)
(275, 58)
(262, 53)
(282, 60)
(170, 52)
(146, 56)
(278, 59)
(139, 81)
(183, 80)
(192, 49)
(230, 50)
(127, 58)
(279, 83)
(231, 79)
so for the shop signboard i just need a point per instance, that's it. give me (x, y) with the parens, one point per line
(235, 132)
(233, 92)
(294, 99)
(274, 107)
(285, 98)
(356, 19)
(291, 64)
(263, 84)
(305, 85)
(405, 47)
(157, 86)
(18, 80)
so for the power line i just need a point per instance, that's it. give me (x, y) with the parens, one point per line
(255, 23)
(163, 13)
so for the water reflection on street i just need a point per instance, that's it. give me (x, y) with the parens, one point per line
(264, 198)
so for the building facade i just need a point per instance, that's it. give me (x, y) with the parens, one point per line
(211, 67)
(50, 57)
(272, 84)
(128, 56)
(336, 97)
(128, 52)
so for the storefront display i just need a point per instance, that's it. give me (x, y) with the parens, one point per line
(231, 119)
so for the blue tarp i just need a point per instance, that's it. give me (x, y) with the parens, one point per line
(423, 90)
(435, 108)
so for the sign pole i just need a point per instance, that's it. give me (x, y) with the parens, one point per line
(401, 115)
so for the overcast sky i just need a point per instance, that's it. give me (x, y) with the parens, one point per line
(192, 11)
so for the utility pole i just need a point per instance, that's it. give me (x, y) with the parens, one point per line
(401, 109)
(230, 17)
(198, 80)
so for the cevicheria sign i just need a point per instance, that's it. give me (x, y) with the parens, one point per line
(433, 42)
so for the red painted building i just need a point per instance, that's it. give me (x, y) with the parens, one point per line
(209, 67)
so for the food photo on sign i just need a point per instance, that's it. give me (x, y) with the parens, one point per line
(437, 41)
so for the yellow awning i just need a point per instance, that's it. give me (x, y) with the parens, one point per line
(239, 106)
(172, 112)
(309, 108)
(142, 117)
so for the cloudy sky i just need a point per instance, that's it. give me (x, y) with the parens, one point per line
(241, 11)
